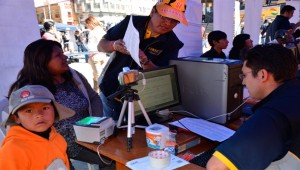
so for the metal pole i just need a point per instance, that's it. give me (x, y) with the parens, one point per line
(205, 11)
(49, 9)
(44, 14)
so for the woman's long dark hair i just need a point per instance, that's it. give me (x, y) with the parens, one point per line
(37, 56)
(238, 49)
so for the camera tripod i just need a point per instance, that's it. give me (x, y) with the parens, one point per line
(130, 96)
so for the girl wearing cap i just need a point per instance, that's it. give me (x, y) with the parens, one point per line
(241, 44)
(32, 142)
(45, 64)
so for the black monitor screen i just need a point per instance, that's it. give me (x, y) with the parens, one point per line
(161, 90)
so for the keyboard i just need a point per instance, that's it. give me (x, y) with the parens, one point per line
(203, 158)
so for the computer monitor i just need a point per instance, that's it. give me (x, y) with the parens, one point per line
(161, 90)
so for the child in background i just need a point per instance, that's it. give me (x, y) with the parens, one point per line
(31, 141)
(218, 42)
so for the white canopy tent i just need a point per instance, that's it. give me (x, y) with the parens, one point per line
(13, 19)
(18, 28)
(226, 18)
(63, 27)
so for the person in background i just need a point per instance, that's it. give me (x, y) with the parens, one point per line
(32, 142)
(79, 38)
(45, 64)
(264, 27)
(98, 59)
(50, 31)
(283, 37)
(282, 22)
(158, 45)
(270, 137)
(203, 36)
(66, 40)
(218, 41)
(241, 44)
(297, 34)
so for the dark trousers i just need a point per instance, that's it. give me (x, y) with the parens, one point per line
(86, 155)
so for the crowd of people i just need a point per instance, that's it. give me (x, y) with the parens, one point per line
(48, 96)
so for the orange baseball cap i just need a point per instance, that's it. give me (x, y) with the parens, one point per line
(172, 9)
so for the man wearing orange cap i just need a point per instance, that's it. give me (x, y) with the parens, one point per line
(158, 45)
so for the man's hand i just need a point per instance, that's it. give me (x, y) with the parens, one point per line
(120, 46)
(215, 163)
(143, 58)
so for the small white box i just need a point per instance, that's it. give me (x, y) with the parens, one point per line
(94, 129)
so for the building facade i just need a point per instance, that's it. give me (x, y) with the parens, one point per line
(61, 11)
(112, 11)
(74, 12)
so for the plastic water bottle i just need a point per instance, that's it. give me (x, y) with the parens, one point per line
(171, 145)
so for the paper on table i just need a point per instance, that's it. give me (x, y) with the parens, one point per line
(132, 41)
(205, 128)
(143, 163)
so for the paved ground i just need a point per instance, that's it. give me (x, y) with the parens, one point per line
(84, 68)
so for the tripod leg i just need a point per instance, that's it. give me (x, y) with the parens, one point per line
(144, 112)
(130, 128)
(122, 113)
(131, 112)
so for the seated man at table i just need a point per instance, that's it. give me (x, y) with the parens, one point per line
(218, 41)
(272, 133)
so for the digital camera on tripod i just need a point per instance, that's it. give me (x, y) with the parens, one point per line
(129, 78)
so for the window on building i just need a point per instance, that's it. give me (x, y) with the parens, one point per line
(87, 7)
(112, 6)
(42, 16)
(96, 5)
(79, 8)
(105, 5)
(56, 14)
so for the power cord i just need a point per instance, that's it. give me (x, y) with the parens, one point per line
(225, 114)
(98, 152)
(184, 111)
(143, 81)
(229, 114)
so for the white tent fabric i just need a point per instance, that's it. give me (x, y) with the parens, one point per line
(18, 28)
(224, 19)
(11, 48)
(191, 35)
(253, 20)
(237, 18)
(296, 4)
